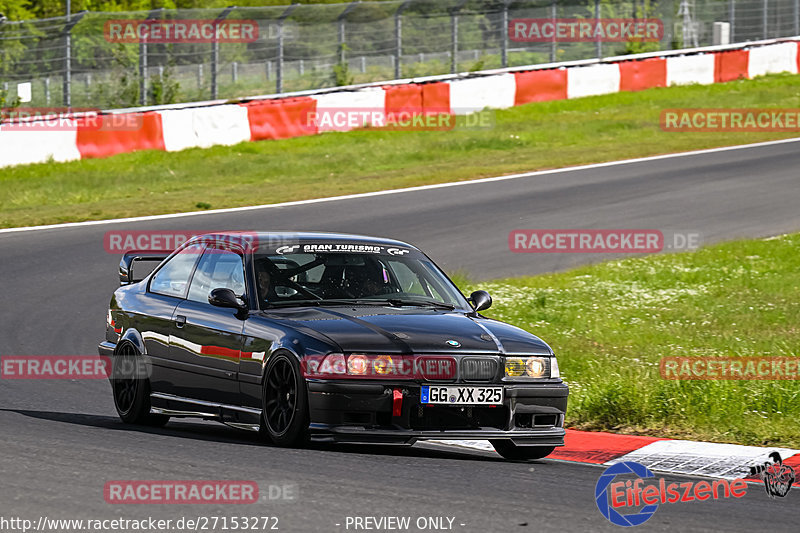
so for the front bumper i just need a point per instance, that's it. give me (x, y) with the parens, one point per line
(532, 414)
(106, 348)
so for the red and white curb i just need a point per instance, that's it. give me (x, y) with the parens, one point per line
(685, 457)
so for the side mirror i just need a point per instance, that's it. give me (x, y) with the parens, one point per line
(224, 298)
(480, 300)
(133, 258)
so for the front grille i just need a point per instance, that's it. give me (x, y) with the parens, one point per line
(478, 369)
(448, 417)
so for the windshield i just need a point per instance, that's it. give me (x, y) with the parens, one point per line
(330, 278)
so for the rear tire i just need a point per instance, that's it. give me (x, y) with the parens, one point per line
(284, 417)
(511, 451)
(131, 390)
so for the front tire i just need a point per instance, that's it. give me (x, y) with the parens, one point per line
(509, 450)
(132, 390)
(284, 417)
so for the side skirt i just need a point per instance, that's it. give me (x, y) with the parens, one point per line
(247, 418)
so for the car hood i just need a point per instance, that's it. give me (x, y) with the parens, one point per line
(371, 330)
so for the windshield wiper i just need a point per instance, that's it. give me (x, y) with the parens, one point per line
(394, 302)
(397, 302)
(292, 303)
(323, 303)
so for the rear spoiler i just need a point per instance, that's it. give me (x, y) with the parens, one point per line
(126, 264)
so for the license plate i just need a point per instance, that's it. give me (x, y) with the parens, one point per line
(450, 395)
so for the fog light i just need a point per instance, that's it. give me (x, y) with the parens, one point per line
(383, 365)
(515, 367)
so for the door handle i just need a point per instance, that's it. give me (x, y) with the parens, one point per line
(180, 321)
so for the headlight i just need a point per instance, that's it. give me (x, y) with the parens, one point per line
(535, 367)
(531, 367)
(357, 365)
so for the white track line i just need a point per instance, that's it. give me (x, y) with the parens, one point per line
(398, 191)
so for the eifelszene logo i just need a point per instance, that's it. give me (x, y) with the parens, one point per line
(778, 477)
(642, 499)
(606, 503)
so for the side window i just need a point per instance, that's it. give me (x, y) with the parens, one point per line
(173, 278)
(218, 269)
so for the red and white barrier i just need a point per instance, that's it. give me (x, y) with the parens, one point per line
(215, 123)
(593, 80)
(475, 94)
(436, 97)
(118, 137)
(400, 98)
(24, 147)
(729, 66)
(281, 119)
(540, 85)
(773, 59)
(643, 74)
(367, 100)
(685, 70)
(202, 127)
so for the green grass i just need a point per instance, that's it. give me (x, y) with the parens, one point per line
(535, 136)
(610, 324)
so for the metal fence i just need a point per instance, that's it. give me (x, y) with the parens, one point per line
(69, 61)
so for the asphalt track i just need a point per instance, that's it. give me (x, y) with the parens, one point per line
(61, 441)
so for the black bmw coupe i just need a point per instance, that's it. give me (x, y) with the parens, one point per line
(327, 337)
